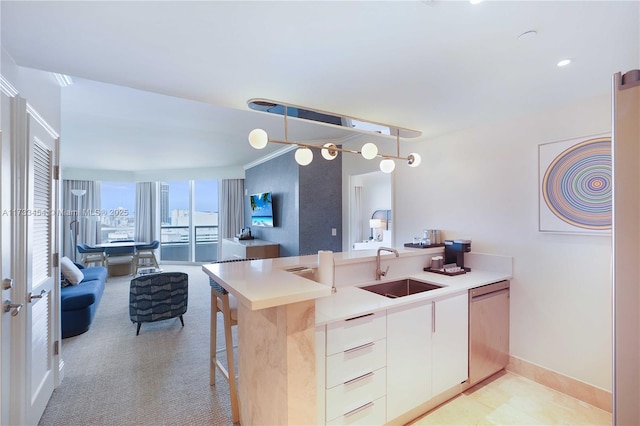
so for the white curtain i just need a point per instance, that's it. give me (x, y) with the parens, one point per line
(83, 211)
(231, 209)
(146, 220)
(357, 207)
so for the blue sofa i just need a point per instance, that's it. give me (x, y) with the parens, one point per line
(78, 303)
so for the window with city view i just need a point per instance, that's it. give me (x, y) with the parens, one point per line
(118, 201)
(189, 220)
(188, 217)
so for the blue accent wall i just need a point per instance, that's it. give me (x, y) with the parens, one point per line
(320, 185)
(307, 203)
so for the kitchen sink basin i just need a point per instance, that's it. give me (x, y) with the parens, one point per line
(399, 288)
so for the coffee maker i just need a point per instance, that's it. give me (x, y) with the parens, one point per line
(454, 251)
(245, 234)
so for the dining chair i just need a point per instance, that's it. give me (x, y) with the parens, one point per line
(91, 254)
(146, 256)
(120, 260)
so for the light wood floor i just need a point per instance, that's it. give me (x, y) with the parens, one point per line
(509, 399)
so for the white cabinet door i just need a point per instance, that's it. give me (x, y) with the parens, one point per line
(408, 358)
(450, 343)
(321, 342)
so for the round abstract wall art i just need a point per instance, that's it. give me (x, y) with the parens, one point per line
(577, 185)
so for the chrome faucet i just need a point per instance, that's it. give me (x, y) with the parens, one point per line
(379, 272)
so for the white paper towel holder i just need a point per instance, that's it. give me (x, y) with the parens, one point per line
(333, 281)
(333, 269)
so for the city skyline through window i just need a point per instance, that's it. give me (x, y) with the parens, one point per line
(118, 201)
(189, 220)
(123, 195)
(188, 217)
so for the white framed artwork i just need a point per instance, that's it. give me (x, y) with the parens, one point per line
(575, 185)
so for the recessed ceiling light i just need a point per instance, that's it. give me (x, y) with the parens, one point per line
(528, 35)
(475, 1)
(564, 62)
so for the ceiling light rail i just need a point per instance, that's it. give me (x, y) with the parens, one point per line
(329, 118)
(258, 139)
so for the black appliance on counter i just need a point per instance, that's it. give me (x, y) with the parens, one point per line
(454, 251)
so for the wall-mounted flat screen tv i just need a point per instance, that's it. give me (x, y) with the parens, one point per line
(261, 210)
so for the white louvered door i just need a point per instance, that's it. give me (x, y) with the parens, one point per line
(40, 246)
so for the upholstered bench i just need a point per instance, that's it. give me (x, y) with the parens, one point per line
(79, 302)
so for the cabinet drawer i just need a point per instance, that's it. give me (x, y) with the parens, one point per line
(353, 332)
(373, 413)
(358, 392)
(355, 362)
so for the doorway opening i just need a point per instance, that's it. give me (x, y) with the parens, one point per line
(370, 194)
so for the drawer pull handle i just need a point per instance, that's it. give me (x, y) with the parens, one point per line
(361, 316)
(357, 348)
(357, 379)
(360, 408)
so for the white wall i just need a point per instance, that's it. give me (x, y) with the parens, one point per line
(39, 88)
(483, 183)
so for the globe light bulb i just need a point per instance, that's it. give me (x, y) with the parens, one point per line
(329, 152)
(414, 160)
(369, 150)
(304, 156)
(258, 138)
(387, 165)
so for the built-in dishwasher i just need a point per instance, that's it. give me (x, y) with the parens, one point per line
(488, 330)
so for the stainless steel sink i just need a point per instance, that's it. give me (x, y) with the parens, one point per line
(400, 288)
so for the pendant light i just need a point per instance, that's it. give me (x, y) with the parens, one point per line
(259, 139)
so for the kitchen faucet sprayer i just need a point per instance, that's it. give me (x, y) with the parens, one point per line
(379, 272)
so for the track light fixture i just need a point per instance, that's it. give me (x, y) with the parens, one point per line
(259, 139)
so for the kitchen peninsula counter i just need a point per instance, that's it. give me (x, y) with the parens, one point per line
(279, 309)
(266, 283)
(353, 301)
(276, 339)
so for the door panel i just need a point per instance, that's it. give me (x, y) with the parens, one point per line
(29, 234)
(5, 257)
(40, 232)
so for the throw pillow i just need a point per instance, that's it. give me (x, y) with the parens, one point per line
(63, 281)
(70, 271)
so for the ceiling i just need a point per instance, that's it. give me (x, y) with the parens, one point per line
(153, 78)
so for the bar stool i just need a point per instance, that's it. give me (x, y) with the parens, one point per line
(222, 301)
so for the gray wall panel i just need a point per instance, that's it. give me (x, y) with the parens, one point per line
(307, 203)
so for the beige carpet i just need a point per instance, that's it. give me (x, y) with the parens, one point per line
(161, 377)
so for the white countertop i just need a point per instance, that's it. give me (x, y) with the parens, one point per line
(353, 301)
(261, 284)
(265, 283)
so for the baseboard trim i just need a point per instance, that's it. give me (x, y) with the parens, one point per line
(590, 394)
